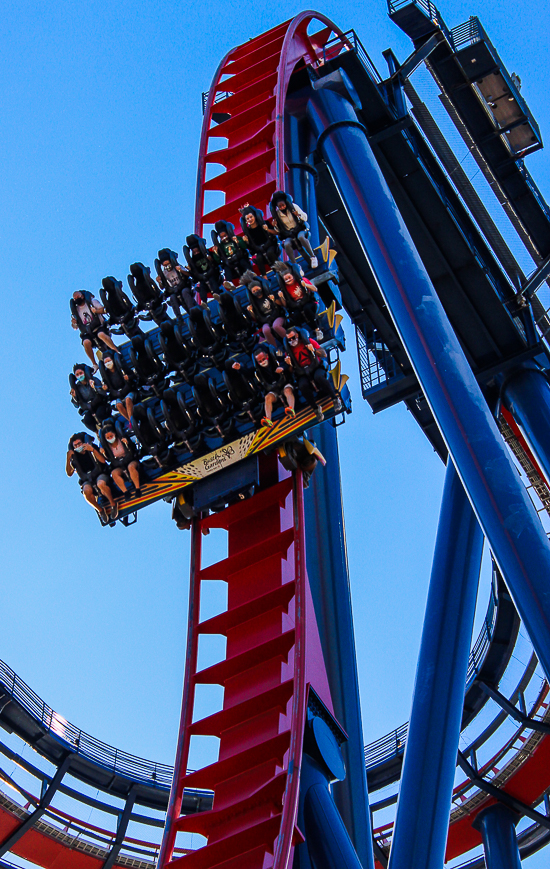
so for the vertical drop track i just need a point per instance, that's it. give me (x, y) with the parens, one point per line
(265, 677)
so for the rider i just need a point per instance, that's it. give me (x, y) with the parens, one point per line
(292, 226)
(275, 377)
(306, 358)
(119, 385)
(87, 316)
(88, 396)
(230, 250)
(260, 238)
(85, 458)
(264, 308)
(203, 269)
(121, 455)
(175, 281)
(297, 295)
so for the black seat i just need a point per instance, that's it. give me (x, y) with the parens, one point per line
(180, 420)
(206, 336)
(147, 294)
(237, 326)
(149, 369)
(178, 355)
(153, 439)
(212, 408)
(243, 392)
(118, 307)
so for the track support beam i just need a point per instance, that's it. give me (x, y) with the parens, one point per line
(496, 493)
(497, 825)
(526, 394)
(422, 820)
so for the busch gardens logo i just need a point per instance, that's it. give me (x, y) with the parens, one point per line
(218, 459)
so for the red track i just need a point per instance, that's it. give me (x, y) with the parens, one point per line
(273, 655)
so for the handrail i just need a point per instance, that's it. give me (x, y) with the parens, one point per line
(84, 745)
(159, 775)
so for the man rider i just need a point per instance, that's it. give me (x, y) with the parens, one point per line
(175, 281)
(92, 469)
(275, 377)
(87, 316)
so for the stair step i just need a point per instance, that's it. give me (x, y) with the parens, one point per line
(278, 544)
(205, 822)
(214, 725)
(279, 598)
(263, 833)
(260, 195)
(274, 495)
(258, 163)
(208, 777)
(218, 674)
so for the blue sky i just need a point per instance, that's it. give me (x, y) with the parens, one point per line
(101, 116)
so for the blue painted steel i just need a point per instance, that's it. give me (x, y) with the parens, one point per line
(327, 561)
(327, 843)
(497, 825)
(526, 394)
(422, 820)
(329, 580)
(498, 496)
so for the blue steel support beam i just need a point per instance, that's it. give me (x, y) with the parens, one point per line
(497, 825)
(479, 454)
(526, 394)
(327, 559)
(327, 566)
(432, 743)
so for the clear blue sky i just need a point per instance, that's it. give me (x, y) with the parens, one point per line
(101, 115)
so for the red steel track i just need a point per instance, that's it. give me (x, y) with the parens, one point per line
(273, 655)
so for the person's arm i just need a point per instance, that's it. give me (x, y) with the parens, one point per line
(74, 324)
(68, 467)
(270, 229)
(90, 448)
(282, 298)
(96, 306)
(316, 350)
(299, 212)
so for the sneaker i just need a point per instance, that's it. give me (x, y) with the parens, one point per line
(289, 411)
(114, 512)
(268, 423)
(314, 262)
(319, 414)
(319, 334)
(338, 405)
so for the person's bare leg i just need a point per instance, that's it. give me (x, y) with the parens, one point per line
(269, 402)
(106, 491)
(89, 351)
(88, 493)
(288, 393)
(129, 408)
(133, 470)
(108, 341)
(268, 335)
(122, 410)
(118, 479)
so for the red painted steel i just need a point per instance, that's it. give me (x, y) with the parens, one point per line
(251, 85)
(272, 656)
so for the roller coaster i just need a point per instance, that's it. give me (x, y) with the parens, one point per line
(446, 322)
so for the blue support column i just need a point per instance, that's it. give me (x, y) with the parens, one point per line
(420, 832)
(526, 394)
(497, 825)
(479, 454)
(329, 580)
(327, 560)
